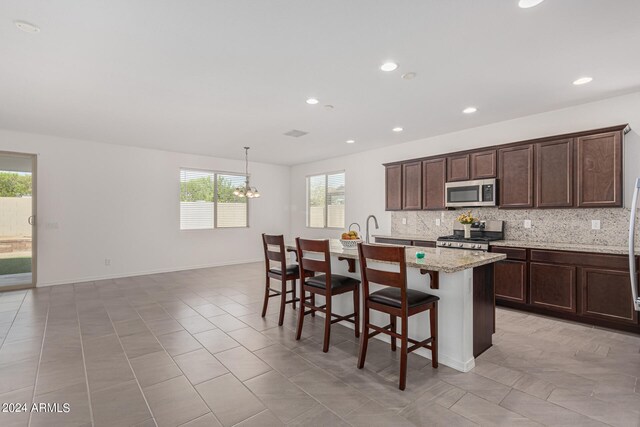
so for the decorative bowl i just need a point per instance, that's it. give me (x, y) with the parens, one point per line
(350, 244)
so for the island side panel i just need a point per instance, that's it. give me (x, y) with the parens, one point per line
(484, 309)
(455, 313)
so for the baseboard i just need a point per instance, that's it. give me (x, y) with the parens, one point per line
(145, 273)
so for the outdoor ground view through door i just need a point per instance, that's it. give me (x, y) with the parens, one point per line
(16, 218)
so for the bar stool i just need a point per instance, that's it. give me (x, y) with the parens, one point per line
(325, 284)
(291, 273)
(396, 300)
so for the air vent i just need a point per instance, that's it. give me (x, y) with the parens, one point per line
(296, 133)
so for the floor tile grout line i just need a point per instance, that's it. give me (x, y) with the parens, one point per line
(230, 373)
(172, 359)
(135, 377)
(44, 335)
(15, 316)
(84, 360)
(552, 403)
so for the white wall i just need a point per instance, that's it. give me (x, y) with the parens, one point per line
(122, 203)
(365, 173)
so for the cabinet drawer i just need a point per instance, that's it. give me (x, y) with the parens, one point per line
(424, 243)
(512, 253)
(389, 241)
(553, 286)
(617, 262)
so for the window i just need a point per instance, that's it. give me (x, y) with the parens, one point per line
(207, 200)
(325, 200)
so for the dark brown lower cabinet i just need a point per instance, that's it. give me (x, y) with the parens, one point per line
(606, 295)
(585, 287)
(510, 279)
(553, 286)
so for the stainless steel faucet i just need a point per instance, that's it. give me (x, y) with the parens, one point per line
(375, 221)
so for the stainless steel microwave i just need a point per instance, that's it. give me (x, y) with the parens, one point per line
(481, 192)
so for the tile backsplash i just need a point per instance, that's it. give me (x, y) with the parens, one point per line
(547, 225)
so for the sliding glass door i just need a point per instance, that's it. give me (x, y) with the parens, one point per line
(17, 220)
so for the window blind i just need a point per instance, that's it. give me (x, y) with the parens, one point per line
(325, 200)
(196, 199)
(231, 210)
(205, 195)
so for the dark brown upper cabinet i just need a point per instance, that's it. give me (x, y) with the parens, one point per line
(458, 168)
(412, 185)
(554, 174)
(483, 164)
(434, 176)
(393, 179)
(516, 176)
(599, 170)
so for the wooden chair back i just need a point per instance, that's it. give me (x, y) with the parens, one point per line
(311, 265)
(389, 254)
(277, 256)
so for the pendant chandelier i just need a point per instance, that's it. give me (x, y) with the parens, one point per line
(246, 190)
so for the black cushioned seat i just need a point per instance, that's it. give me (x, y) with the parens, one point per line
(392, 297)
(337, 281)
(290, 269)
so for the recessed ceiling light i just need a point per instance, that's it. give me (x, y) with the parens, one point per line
(27, 27)
(397, 129)
(312, 101)
(350, 141)
(409, 76)
(388, 66)
(526, 4)
(470, 110)
(582, 81)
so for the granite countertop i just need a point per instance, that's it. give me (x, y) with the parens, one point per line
(575, 247)
(436, 259)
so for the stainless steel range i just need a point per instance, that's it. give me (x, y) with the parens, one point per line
(482, 232)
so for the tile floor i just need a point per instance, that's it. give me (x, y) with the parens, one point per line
(190, 348)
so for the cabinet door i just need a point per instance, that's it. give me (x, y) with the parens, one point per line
(515, 166)
(433, 179)
(510, 278)
(599, 170)
(458, 168)
(483, 164)
(393, 184)
(554, 174)
(553, 286)
(412, 185)
(606, 294)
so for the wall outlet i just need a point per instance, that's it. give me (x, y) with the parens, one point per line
(595, 224)
(438, 222)
(107, 262)
(527, 223)
(404, 221)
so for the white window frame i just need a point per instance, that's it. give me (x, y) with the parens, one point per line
(215, 198)
(326, 198)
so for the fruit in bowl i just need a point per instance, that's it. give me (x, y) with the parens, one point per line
(350, 235)
(350, 239)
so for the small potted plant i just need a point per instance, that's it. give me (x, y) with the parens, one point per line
(466, 219)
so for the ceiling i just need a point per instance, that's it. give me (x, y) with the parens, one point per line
(211, 76)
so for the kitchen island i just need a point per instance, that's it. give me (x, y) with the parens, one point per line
(462, 279)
